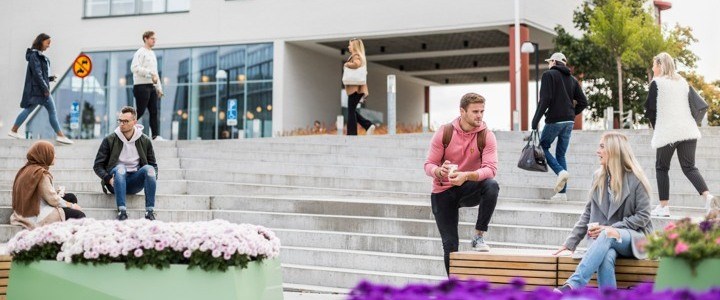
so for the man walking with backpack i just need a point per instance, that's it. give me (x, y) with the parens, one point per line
(463, 162)
(561, 99)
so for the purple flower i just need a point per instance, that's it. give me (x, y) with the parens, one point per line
(706, 226)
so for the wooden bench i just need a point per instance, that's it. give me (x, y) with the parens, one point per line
(5, 261)
(539, 268)
(500, 266)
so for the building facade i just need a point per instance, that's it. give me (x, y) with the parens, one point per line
(283, 58)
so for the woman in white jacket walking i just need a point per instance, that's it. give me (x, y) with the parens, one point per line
(668, 109)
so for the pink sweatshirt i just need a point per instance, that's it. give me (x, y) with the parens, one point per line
(463, 152)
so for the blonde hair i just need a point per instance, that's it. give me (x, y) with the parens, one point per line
(359, 47)
(667, 65)
(620, 159)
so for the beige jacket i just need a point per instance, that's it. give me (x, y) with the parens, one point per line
(51, 205)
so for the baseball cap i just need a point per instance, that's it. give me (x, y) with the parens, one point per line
(557, 56)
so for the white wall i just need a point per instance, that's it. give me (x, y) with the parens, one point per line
(410, 99)
(311, 90)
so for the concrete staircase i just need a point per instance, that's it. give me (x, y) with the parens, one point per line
(351, 208)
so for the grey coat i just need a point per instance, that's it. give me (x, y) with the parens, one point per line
(632, 212)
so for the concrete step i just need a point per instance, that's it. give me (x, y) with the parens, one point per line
(364, 260)
(167, 215)
(83, 174)
(174, 187)
(85, 151)
(393, 226)
(349, 278)
(376, 242)
(195, 187)
(79, 163)
(100, 200)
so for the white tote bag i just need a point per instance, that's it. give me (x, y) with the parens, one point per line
(355, 76)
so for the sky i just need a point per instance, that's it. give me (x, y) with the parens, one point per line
(698, 14)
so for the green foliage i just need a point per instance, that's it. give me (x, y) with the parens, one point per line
(621, 29)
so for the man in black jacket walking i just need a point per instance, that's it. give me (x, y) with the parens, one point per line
(561, 99)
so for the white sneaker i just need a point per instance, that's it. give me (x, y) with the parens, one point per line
(660, 211)
(559, 197)
(712, 203)
(562, 179)
(64, 140)
(159, 138)
(15, 135)
(371, 130)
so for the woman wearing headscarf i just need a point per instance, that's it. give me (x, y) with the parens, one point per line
(35, 201)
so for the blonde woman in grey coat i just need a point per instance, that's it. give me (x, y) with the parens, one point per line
(616, 218)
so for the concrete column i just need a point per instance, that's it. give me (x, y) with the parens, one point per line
(278, 87)
(524, 76)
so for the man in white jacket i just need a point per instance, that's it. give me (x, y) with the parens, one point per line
(147, 88)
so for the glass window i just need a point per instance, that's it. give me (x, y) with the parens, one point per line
(178, 5)
(122, 7)
(95, 8)
(152, 6)
(194, 105)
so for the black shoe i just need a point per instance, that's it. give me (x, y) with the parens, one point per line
(150, 215)
(122, 215)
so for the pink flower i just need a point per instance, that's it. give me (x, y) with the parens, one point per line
(681, 248)
(216, 253)
(717, 241)
(187, 253)
(673, 236)
(670, 226)
(138, 252)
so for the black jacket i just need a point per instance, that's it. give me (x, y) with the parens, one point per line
(651, 103)
(558, 89)
(37, 79)
(109, 152)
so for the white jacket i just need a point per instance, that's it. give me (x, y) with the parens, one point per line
(144, 66)
(674, 120)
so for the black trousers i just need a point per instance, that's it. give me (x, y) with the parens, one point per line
(446, 207)
(686, 156)
(146, 97)
(69, 212)
(354, 117)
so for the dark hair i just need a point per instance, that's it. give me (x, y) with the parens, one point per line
(38, 42)
(148, 34)
(471, 98)
(129, 109)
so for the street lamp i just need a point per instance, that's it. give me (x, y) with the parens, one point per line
(222, 75)
(530, 47)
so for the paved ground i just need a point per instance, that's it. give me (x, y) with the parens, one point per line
(312, 296)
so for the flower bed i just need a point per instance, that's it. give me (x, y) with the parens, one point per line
(470, 290)
(689, 255)
(212, 245)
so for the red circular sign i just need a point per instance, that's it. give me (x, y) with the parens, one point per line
(82, 66)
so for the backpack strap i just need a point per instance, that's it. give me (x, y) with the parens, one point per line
(447, 137)
(481, 142)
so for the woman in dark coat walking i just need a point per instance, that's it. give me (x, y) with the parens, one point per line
(37, 88)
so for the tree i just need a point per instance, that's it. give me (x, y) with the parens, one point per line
(710, 92)
(614, 27)
(597, 67)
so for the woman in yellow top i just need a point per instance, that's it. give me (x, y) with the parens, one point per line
(356, 92)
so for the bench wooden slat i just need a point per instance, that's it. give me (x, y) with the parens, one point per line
(618, 262)
(489, 256)
(501, 272)
(5, 265)
(618, 269)
(508, 279)
(503, 265)
(5, 258)
(4, 273)
(619, 277)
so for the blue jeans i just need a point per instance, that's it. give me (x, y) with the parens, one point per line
(132, 183)
(600, 258)
(52, 114)
(562, 132)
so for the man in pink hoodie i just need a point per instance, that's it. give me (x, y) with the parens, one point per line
(472, 184)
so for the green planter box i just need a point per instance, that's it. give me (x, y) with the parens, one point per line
(59, 280)
(675, 273)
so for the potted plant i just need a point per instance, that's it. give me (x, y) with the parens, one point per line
(140, 259)
(689, 255)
